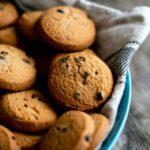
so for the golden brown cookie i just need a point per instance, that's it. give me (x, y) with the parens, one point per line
(17, 70)
(101, 128)
(72, 131)
(9, 36)
(7, 141)
(27, 111)
(8, 14)
(26, 141)
(80, 80)
(67, 28)
(27, 23)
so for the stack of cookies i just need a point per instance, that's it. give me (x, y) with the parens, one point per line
(52, 85)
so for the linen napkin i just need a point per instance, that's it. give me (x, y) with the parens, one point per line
(119, 35)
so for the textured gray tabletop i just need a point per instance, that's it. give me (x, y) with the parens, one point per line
(136, 134)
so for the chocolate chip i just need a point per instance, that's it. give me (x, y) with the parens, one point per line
(60, 11)
(67, 65)
(34, 96)
(85, 75)
(58, 128)
(25, 105)
(64, 60)
(96, 72)
(2, 57)
(64, 129)
(3, 53)
(76, 95)
(25, 99)
(26, 60)
(88, 138)
(84, 82)
(13, 138)
(80, 59)
(76, 59)
(99, 96)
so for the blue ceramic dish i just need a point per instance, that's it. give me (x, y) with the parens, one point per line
(121, 116)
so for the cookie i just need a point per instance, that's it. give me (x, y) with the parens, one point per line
(101, 128)
(8, 14)
(27, 111)
(72, 131)
(9, 36)
(26, 141)
(7, 141)
(17, 70)
(80, 80)
(67, 28)
(26, 24)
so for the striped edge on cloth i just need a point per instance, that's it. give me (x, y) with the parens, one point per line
(119, 36)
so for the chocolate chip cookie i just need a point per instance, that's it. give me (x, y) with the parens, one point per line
(17, 70)
(27, 111)
(73, 130)
(80, 80)
(67, 28)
